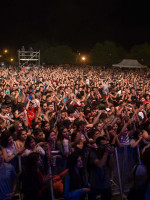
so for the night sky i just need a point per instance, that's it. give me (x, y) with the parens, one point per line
(77, 23)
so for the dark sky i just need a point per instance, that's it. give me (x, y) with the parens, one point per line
(78, 23)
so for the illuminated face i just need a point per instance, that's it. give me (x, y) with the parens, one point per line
(3, 110)
(147, 97)
(44, 106)
(32, 144)
(47, 126)
(44, 97)
(10, 140)
(9, 109)
(115, 127)
(30, 106)
(50, 107)
(21, 117)
(12, 93)
(40, 135)
(65, 133)
(142, 99)
(23, 136)
(90, 119)
(147, 106)
(19, 127)
(132, 91)
(48, 99)
(41, 89)
(53, 136)
(79, 163)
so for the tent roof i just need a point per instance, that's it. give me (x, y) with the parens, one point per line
(128, 63)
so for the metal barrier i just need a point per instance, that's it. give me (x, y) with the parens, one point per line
(126, 158)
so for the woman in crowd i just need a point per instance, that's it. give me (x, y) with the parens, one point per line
(64, 141)
(75, 184)
(16, 128)
(53, 154)
(31, 146)
(45, 126)
(34, 181)
(64, 145)
(10, 150)
(22, 136)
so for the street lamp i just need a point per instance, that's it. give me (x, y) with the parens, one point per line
(5, 51)
(11, 59)
(83, 58)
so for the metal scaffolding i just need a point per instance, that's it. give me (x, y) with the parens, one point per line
(28, 57)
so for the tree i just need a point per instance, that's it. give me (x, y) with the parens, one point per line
(141, 53)
(106, 53)
(43, 46)
(64, 55)
(60, 54)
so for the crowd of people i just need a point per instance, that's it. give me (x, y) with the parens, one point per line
(69, 120)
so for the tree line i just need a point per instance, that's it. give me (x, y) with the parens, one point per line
(103, 54)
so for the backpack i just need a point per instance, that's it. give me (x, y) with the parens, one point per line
(58, 183)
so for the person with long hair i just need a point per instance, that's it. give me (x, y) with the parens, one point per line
(75, 184)
(9, 148)
(51, 151)
(64, 141)
(31, 146)
(45, 126)
(63, 144)
(22, 136)
(34, 181)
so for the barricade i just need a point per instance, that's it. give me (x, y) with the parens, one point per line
(122, 180)
(126, 158)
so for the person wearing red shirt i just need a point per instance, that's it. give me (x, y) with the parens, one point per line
(147, 99)
(32, 111)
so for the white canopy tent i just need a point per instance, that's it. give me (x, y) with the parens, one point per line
(128, 63)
